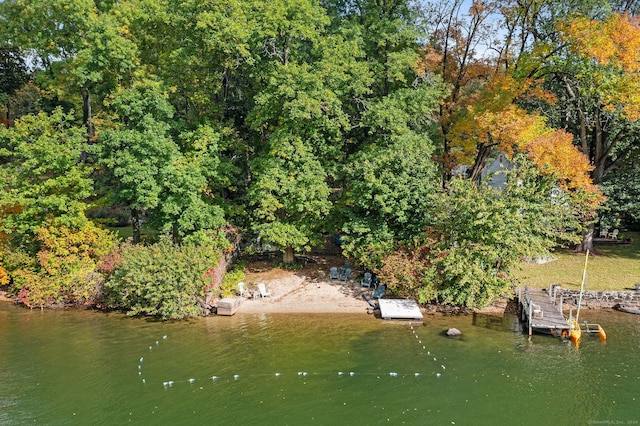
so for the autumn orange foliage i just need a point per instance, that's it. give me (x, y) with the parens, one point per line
(614, 44)
(614, 41)
(554, 153)
(496, 120)
(4, 275)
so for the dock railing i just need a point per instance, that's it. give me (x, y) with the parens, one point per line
(555, 293)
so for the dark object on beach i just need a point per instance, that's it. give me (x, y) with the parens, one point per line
(627, 309)
(454, 332)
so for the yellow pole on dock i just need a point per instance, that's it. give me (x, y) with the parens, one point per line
(584, 278)
(574, 327)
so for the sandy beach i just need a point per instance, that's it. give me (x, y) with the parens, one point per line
(309, 290)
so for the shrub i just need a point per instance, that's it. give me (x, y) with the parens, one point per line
(163, 279)
(231, 280)
(4, 275)
(408, 273)
(65, 273)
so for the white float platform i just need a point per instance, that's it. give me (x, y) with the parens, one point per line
(399, 309)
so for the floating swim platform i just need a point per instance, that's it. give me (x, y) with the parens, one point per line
(399, 309)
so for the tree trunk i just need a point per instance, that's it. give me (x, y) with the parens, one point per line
(484, 150)
(87, 116)
(175, 235)
(87, 120)
(587, 239)
(289, 255)
(135, 224)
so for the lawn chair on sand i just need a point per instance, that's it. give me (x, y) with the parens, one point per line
(333, 273)
(345, 275)
(378, 292)
(366, 281)
(242, 289)
(262, 291)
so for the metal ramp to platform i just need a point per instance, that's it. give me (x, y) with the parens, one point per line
(399, 309)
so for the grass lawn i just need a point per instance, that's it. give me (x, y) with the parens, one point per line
(609, 268)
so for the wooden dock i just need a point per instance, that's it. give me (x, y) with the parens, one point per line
(542, 310)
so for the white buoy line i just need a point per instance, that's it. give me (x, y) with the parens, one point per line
(214, 379)
(435, 359)
(300, 374)
(157, 343)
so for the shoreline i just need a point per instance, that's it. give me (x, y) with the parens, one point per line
(310, 290)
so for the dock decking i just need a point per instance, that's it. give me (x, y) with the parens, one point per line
(543, 313)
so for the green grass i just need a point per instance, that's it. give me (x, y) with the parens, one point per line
(609, 268)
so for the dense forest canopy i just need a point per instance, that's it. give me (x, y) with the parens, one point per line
(294, 120)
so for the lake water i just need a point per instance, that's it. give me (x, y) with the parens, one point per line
(90, 368)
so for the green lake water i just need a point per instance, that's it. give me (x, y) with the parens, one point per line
(90, 368)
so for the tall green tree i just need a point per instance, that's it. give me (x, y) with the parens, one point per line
(289, 197)
(183, 207)
(297, 121)
(391, 181)
(41, 177)
(138, 151)
(80, 50)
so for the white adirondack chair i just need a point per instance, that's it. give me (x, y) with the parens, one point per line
(242, 289)
(262, 290)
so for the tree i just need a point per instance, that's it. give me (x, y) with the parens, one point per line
(297, 123)
(42, 181)
(43, 204)
(182, 208)
(289, 197)
(78, 48)
(138, 151)
(390, 182)
(479, 235)
(13, 74)
(586, 54)
(497, 123)
(601, 78)
(388, 197)
(456, 50)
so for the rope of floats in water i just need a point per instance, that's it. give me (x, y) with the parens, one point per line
(300, 374)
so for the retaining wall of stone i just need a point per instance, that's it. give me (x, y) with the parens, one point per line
(592, 299)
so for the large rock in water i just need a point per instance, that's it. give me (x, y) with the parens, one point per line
(454, 332)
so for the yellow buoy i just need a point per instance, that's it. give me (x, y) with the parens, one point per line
(602, 334)
(574, 332)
